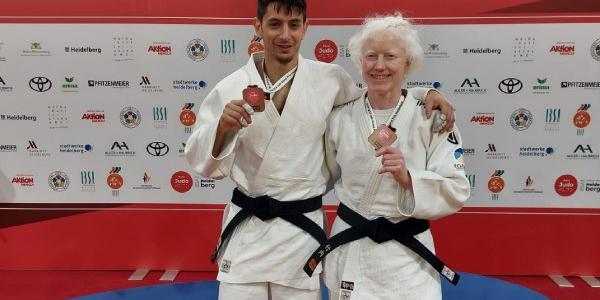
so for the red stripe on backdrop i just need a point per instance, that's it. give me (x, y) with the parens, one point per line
(495, 241)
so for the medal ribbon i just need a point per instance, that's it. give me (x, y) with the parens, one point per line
(392, 117)
(273, 88)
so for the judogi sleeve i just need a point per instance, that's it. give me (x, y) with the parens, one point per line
(442, 187)
(331, 150)
(347, 89)
(420, 93)
(198, 148)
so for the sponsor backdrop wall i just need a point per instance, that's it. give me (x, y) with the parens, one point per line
(95, 116)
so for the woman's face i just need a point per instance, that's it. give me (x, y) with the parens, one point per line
(384, 62)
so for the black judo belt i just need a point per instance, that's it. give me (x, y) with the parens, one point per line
(380, 230)
(266, 208)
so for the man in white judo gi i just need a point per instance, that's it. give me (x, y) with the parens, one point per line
(275, 158)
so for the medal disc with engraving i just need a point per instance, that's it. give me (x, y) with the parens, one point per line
(254, 96)
(382, 136)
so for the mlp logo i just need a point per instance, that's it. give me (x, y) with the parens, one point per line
(582, 118)
(187, 117)
(114, 180)
(58, 181)
(496, 184)
(565, 185)
(181, 181)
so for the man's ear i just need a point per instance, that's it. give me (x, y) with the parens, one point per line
(258, 27)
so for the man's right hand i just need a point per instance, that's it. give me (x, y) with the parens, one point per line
(232, 116)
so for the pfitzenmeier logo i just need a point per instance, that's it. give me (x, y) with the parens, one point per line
(580, 84)
(109, 83)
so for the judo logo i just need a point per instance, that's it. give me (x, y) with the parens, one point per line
(582, 118)
(496, 184)
(521, 119)
(58, 181)
(130, 117)
(565, 185)
(181, 181)
(326, 51)
(197, 50)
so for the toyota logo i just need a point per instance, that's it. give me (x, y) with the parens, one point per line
(40, 84)
(157, 149)
(510, 85)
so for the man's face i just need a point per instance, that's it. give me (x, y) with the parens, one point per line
(282, 33)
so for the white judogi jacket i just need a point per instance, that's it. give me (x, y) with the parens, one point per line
(281, 156)
(390, 270)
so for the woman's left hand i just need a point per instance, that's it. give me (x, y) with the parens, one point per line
(393, 162)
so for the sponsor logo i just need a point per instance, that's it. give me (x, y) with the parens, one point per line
(58, 181)
(452, 138)
(595, 50)
(94, 116)
(528, 151)
(565, 185)
(160, 48)
(119, 149)
(182, 150)
(23, 180)
(529, 187)
(255, 45)
(228, 50)
(590, 186)
(187, 117)
(424, 83)
(115, 84)
(207, 183)
(344, 51)
(459, 159)
(8, 148)
(523, 49)
(470, 86)
(435, 51)
(88, 181)
(2, 58)
(146, 185)
(181, 181)
(521, 119)
(492, 153)
(36, 49)
(563, 48)
(18, 118)
(225, 266)
(541, 86)
(82, 50)
(34, 151)
(484, 119)
(40, 84)
(189, 85)
(58, 117)
(75, 148)
(70, 85)
(130, 117)
(148, 87)
(496, 184)
(157, 149)
(552, 119)
(115, 180)
(347, 285)
(582, 118)
(197, 50)
(472, 182)
(491, 51)
(469, 151)
(510, 85)
(159, 114)
(583, 152)
(123, 49)
(326, 51)
(580, 84)
(4, 88)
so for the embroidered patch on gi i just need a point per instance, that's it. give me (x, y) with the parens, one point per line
(347, 285)
(225, 266)
(452, 138)
(345, 295)
(420, 103)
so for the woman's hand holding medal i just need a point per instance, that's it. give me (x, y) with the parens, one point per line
(392, 161)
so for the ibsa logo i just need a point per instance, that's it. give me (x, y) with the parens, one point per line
(326, 51)
(23, 180)
(181, 181)
(565, 185)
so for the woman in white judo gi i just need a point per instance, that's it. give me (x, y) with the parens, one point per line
(388, 194)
